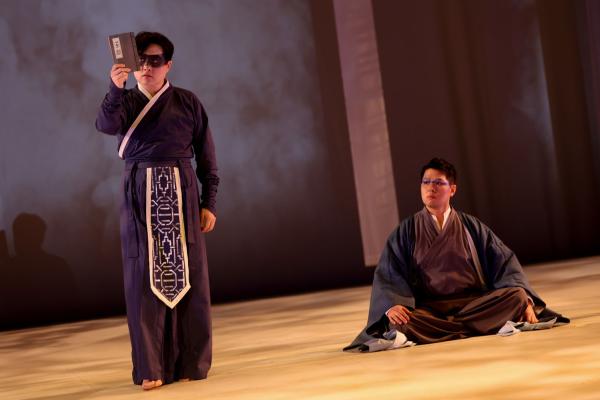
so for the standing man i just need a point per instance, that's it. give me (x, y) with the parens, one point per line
(160, 128)
(444, 275)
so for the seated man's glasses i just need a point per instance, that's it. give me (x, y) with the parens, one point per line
(435, 182)
(153, 60)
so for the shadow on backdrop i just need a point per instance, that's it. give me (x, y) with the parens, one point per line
(35, 285)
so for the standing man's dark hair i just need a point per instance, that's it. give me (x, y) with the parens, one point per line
(441, 165)
(145, 39)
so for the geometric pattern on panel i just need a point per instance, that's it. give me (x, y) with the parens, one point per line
(167, 251)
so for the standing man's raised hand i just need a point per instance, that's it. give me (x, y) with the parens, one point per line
(119, 74)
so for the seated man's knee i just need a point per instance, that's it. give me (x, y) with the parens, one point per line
(519, 294)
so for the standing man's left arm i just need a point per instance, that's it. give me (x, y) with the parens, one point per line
(206, 168)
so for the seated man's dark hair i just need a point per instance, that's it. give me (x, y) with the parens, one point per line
(145, 39)
(443, 166)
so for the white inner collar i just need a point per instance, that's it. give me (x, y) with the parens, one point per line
(147, 93)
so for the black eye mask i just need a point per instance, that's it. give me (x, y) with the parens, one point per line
(154, 60)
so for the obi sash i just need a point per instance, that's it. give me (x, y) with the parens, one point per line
(167, 249)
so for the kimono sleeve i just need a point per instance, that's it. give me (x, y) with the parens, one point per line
(391, 283)
(500, 264)
(112, 116)
(206, 161)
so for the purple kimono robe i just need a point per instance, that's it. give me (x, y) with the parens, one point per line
(167, 344)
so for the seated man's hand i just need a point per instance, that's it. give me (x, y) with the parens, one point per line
(398, 315)
(529, 314)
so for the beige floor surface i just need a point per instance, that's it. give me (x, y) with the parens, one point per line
(289, 348)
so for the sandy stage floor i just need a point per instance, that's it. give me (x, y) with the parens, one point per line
(290, 348)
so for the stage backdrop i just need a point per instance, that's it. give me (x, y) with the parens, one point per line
(287, 219)
(508, 90)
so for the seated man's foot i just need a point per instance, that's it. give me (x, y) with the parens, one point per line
(184, 380)
(147, 384)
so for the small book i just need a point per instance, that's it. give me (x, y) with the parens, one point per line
(124, 50)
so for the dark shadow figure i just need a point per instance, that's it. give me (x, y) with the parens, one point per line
(37, 287)
(4, 275)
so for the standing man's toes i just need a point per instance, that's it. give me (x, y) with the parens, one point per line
(149, 385)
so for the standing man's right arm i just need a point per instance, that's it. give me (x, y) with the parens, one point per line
(111, 117)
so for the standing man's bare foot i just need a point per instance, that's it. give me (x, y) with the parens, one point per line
(147, 384)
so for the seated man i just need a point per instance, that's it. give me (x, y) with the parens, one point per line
(444, 275)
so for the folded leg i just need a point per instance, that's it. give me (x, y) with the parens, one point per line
(487, 313)
(425, 327)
